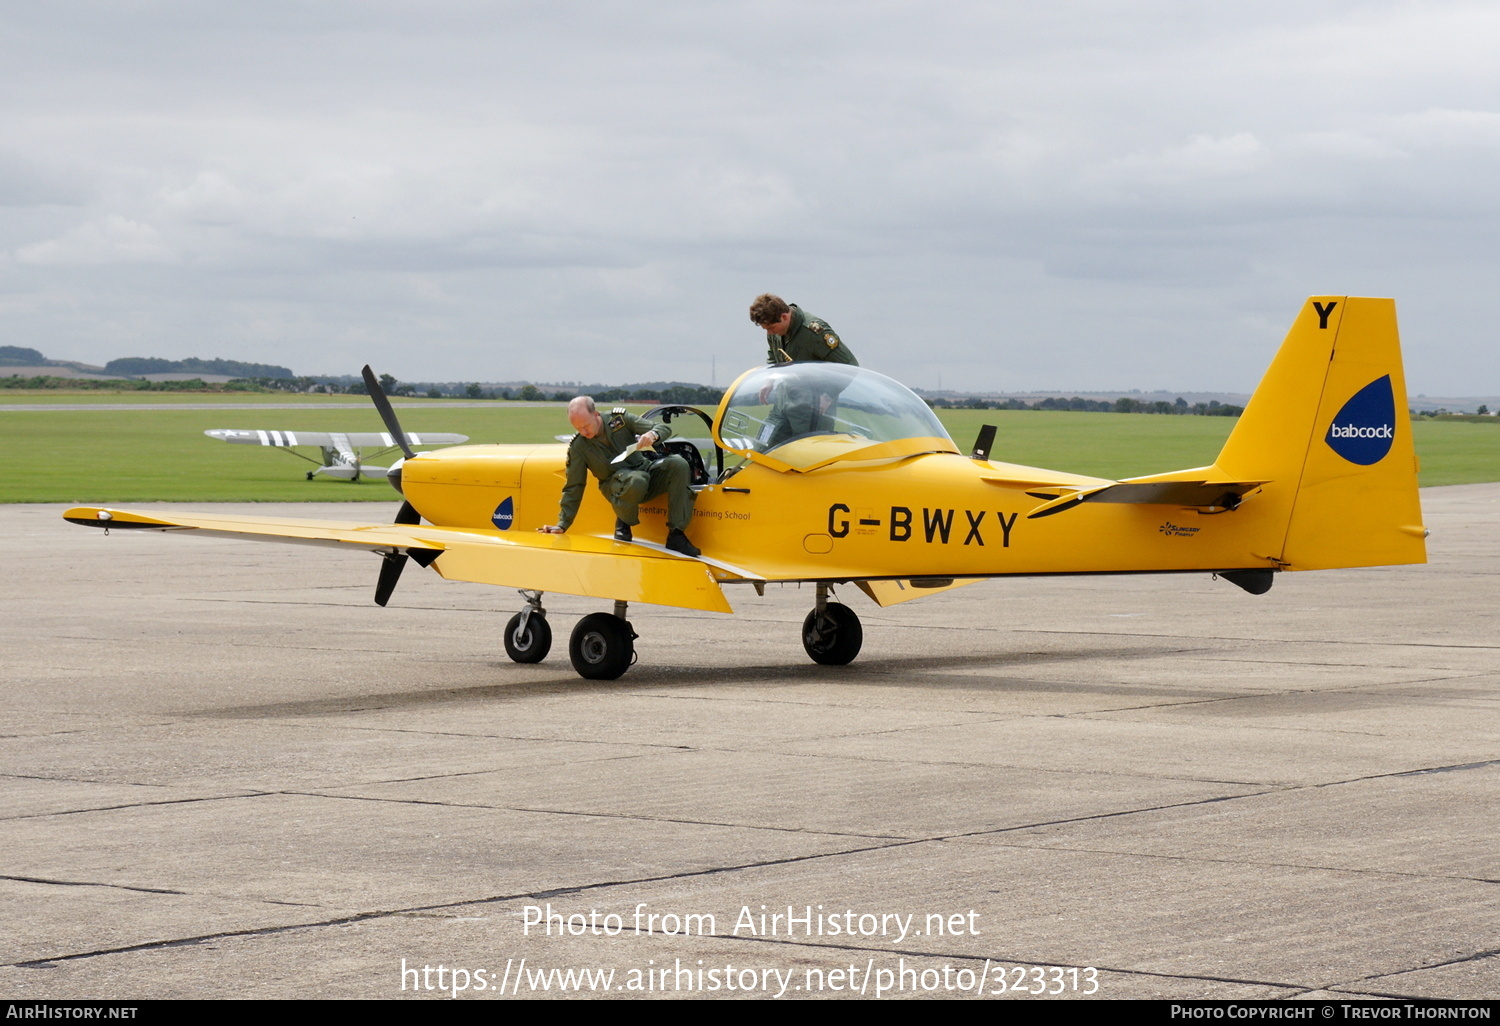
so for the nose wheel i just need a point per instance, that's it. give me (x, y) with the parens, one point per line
(832, 634)
(528, 636)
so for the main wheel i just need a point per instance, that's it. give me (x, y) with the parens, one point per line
(834, 636)
(532, 644)
(601, 646)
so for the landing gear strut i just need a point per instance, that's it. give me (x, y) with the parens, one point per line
(603, 645)
(528, 636)
(831, 633)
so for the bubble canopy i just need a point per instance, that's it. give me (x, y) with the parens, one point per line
(801, 416)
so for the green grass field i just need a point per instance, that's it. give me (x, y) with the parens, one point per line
(140, 455)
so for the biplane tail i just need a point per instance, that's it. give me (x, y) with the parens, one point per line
(1327, 430)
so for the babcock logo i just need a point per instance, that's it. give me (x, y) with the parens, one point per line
(504, 515)
(1362, 432)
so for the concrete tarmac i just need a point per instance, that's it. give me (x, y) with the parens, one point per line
(229, 774)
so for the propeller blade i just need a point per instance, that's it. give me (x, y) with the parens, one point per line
(383, 407)
(391, 565)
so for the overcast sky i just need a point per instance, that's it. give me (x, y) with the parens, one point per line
(1074, 195)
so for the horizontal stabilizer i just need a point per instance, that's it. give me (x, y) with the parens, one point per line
(1206, 495)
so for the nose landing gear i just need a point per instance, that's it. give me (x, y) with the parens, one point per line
(528, 636)
(831, 634)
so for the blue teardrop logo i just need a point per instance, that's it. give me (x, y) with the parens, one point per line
(1363, 431)
(504, 515)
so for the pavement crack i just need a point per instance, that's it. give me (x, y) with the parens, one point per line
(597, 815)
(49, 960)
(1266, 863)
(1097, 817)
(712, 823)
(1353, 984)
(140, 805)
(1449, 769)
(180, 942)
(1185, 639)
(89, 883)
(991, 960)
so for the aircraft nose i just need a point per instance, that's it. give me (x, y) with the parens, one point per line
(394, 475)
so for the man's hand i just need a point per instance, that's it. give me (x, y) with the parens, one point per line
(643, 443)
(550, 529)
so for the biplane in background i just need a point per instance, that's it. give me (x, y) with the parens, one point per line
(1318, 473)
(342, 458)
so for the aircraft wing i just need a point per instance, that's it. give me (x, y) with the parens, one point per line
(357, 439)
(569, 564)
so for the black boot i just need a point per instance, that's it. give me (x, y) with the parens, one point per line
(678, 542)
(622, 531)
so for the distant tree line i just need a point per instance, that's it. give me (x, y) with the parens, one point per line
(1212, 408)
(20, 356)
(675, 392)
(137, 365)
(51, 382)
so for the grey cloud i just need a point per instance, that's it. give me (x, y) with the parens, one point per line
(537, 187)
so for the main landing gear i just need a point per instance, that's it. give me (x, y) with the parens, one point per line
(831, 633)
(602, 645)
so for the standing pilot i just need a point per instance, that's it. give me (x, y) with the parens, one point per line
(792, 336)
(631, 481)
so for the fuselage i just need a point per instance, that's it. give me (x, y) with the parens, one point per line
(925, 515)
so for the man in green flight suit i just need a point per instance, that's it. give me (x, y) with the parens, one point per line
(630, 481)
(793, 336)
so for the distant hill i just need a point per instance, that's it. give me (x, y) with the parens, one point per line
(20, 356)
(138, 365)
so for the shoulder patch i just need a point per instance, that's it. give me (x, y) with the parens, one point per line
(619, 411)
(832, 340)
(816, 325)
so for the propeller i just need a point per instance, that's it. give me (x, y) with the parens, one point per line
(392, 563)
(383, 407)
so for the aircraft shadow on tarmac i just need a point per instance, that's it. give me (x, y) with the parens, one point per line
(1002, 672)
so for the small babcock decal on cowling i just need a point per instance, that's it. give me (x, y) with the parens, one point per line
(1362, 432)
(504, 515)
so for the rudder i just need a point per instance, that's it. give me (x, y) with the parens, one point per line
(1328, 429)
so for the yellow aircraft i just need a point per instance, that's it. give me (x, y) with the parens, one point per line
(830, 474)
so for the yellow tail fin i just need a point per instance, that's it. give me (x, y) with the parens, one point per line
(1328, 429)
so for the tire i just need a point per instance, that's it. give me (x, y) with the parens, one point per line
(835, 637)
(601, 647)
(532, 646)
